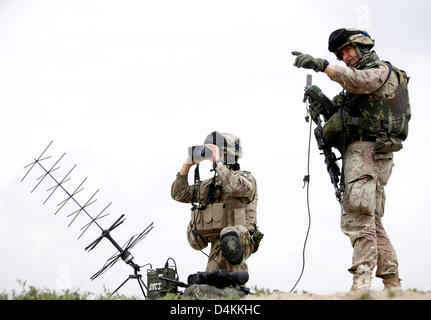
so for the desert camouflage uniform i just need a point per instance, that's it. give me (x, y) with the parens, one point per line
(366, 175)
(239, 192)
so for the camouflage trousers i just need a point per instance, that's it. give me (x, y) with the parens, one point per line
(216, 259)
(366, 175)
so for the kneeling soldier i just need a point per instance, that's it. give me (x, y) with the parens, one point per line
(223, 207)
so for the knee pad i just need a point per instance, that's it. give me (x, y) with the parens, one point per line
(231, 248)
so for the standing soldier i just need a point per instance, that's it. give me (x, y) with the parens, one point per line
(375, 124)
(223, 207)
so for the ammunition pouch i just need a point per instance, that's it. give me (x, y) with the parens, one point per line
(257, 237)
(397, 125)
(211, 220)
(378, 132)
(394, 130)
(358, 128)
(332, 129)
(385, 144)
(239, 217)
(195, 240)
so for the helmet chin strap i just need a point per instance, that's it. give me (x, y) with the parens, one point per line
(358, 55)
(350, 61)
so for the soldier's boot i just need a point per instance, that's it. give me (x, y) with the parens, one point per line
(392, 282)
(361, 281)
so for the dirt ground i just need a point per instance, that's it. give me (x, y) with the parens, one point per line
(364, 295)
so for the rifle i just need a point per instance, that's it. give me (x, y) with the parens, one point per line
(313, 97)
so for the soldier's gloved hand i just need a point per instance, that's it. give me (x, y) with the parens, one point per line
(318, 107)
(308, 62)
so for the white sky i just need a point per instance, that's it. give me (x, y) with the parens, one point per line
(124, 87)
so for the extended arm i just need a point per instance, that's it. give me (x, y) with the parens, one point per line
(353, 80)
(358, 81)
(181, 190)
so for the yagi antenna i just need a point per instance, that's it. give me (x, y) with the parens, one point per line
(123, 252)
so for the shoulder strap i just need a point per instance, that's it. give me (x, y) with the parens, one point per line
(390, 71)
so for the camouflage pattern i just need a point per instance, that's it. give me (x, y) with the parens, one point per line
(237, 183)
(361, 281)
(229, 146)
(391, 282)
(366, 175)
(365, 81)
(396, 104)
(217, 260)
(375, 96)
(239, 196)
(233, 145)
(358, 39)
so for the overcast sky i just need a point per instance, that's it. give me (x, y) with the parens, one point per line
(125, 87)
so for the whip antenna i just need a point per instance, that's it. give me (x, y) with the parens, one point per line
(306, 180)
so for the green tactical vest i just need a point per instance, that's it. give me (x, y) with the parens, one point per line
(383, 111)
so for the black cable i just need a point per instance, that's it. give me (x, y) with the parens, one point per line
(306, 181)
(151, 266)
(195, 231)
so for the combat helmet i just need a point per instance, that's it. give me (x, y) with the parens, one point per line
(228, 144)
(341, 38)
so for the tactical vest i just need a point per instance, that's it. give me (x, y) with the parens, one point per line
(224, 211)
(383, 112)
